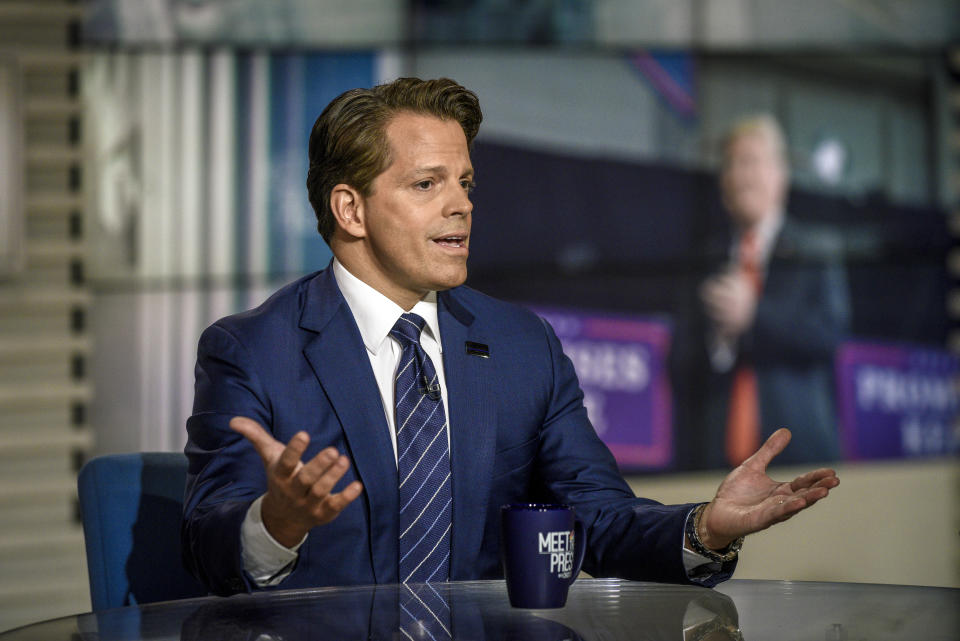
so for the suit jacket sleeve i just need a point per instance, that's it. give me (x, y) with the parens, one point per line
(225, 474)
(629, 537)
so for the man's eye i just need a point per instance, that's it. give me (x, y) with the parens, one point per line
(468, 185)
(423, 185)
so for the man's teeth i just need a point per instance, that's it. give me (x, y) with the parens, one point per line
(455, 241)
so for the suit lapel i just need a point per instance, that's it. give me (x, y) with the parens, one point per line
(338, 358)
(473, 429)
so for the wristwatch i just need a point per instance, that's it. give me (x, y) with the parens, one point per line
(692, 530)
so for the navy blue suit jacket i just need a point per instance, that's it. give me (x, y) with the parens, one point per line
(518, 432)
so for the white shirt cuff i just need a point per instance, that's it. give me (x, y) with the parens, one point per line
(265, 560)
(692, 561)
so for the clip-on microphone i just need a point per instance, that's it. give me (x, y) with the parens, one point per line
(433, 391)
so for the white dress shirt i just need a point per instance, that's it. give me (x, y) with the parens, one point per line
(265, 560)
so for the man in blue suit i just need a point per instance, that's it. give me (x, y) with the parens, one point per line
(296, 456)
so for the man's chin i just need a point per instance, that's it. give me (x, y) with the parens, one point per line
(451, 281)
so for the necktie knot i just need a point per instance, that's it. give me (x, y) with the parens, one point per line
(407, 329)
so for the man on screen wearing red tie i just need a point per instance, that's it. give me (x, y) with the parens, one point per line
(775, 312)
(365, 424)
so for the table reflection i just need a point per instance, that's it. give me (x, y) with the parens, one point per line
(596, 610)
(466, 611)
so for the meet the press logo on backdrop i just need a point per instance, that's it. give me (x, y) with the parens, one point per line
(559, 545)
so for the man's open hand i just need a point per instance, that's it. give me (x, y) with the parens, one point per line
(749, 501)
(298, 494)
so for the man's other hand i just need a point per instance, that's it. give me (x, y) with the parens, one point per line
(749, 501)
(298, 494)
(730, 302)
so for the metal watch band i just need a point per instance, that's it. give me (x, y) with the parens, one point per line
(693, 535)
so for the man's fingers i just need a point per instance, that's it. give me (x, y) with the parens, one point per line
(716, 296)
(773, 446)
(783, 508)
(814, 494)
(823, 477)
(290, 458)
(335, 503)
(322, 486)
(315, 468)
(267, 446)
(786, 506)
(715, 293)
(828, 483)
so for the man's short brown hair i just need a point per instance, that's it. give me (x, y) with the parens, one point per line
(348, 143)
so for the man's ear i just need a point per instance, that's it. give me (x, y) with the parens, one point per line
(346, 203)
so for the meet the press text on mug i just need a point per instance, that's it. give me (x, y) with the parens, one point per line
(560, 546)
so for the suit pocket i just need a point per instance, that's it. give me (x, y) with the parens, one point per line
(515, 458)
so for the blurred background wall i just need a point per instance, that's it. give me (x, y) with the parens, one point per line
(161, 146)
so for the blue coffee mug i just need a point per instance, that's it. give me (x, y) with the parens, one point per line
(541, 548)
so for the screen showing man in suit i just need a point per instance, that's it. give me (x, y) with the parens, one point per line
(762, 333)
(366, 423)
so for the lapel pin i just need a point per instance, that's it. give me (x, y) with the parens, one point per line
(477, 349)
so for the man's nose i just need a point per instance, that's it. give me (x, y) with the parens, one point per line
(459, 203)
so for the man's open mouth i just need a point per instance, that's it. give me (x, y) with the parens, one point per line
(452, 241)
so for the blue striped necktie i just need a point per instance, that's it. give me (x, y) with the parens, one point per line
(423, 460)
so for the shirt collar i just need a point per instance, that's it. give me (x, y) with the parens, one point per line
(376, 314)
(768, 230)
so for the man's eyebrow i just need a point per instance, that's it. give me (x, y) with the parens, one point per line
(422, 171)
(436, 169)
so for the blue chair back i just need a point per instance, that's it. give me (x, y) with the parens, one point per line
(131, 507)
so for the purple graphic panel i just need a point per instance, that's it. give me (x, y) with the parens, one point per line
(897, 401)
(621, 364)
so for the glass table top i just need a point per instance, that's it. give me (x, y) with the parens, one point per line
(597, 609)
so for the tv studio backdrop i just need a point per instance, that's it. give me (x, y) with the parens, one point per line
(182, 199)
